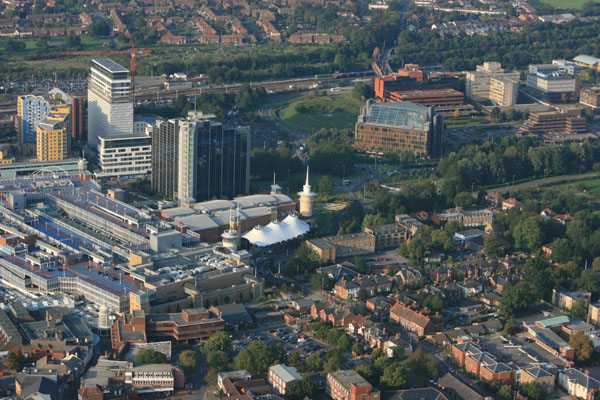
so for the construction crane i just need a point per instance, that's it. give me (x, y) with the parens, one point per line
(133, 52)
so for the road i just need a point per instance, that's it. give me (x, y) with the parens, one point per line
(274, 85)
(546, 181)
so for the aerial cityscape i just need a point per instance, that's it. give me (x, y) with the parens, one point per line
(299, 199)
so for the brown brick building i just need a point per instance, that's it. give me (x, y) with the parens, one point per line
(332, 247)
(349, 385)
(398, 127)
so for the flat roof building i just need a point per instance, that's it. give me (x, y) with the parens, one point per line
(110, 101)
(398, 127)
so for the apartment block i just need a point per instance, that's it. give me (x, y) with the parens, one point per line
(353, 244)
(53, 138)
(594, 314)
(388, 236)
(567, 299)
(349, 385)
(464, 218)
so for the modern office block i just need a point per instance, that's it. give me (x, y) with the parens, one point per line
(398, 127)
(110, 101)
(197, 160)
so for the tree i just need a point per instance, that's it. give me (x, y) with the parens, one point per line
(294, 360)
(561, 250)
(582, 345)
(578, 310)
(99, 28)
(217, 360)
(258, 357)
(394, 376)
(360, 265)
(358, 349)
(149, 356)
(188, 360)
(321, 281)
(362, 294)
(515, 299)
(368, 372)
(343, 342)
(325, 185)
(421, 366)
(14, 360)
(491, 246)
(528, 235)
(314, 362)
(505, 393)
(73, 41)
(298, 390)
(533, 391)
(442, 240)
(417, 251)
(220, 341)
(363, 91)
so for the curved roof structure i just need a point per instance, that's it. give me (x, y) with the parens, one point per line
(276, 232)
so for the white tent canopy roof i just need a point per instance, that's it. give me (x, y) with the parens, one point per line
(276, 232)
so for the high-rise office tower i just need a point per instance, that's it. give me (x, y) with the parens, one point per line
(198, 160)
(110, 101)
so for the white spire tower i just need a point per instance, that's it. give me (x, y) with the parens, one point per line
(307, 198)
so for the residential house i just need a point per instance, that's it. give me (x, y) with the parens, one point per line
(483, 365)
(511, 203)
(539, 375)
(345, 289)
(495, 199)
(470, 287)
(578, 384)
(412, 320)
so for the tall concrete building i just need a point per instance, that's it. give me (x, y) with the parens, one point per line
(491, 82)
(110, 101)
(307, 198)
(198, 160)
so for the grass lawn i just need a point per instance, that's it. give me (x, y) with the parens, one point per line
(464, 121)
(565, 4)
(591, 186)
(309, 114)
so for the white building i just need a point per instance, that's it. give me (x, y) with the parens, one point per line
(578, 384)
(123, 155)
(491, 82)
(307, 198)
(110, 102)
(550, 78)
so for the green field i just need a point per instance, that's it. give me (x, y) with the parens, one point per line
(566, 4)
(309, 114)
(464, 121)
